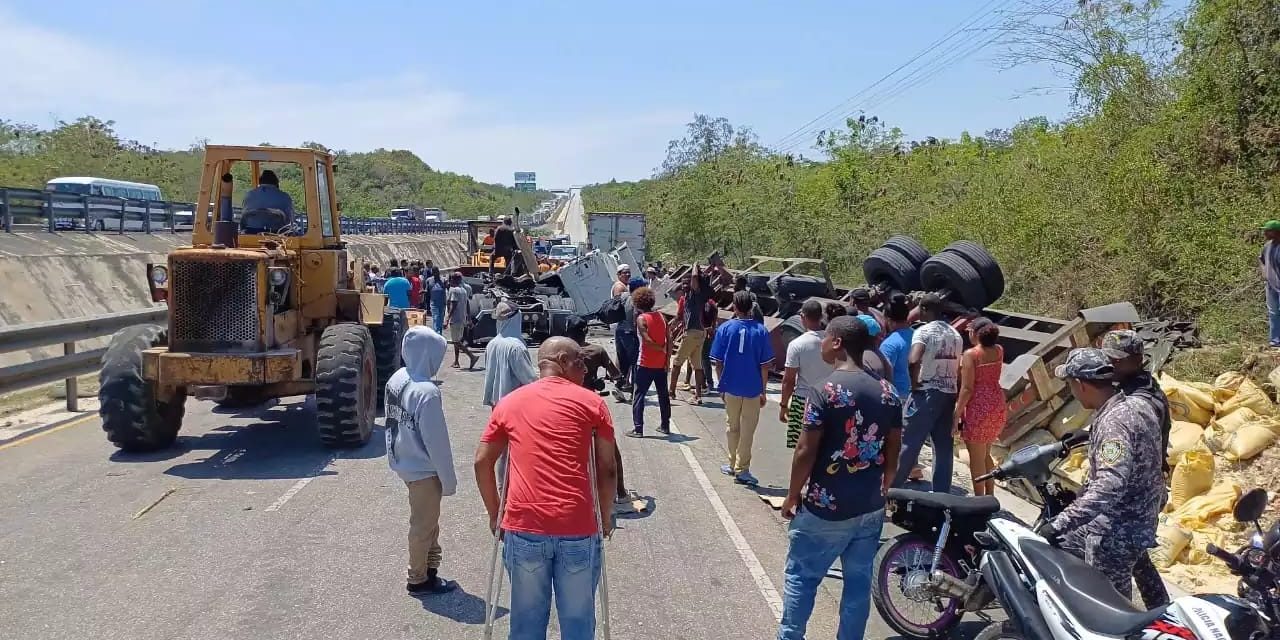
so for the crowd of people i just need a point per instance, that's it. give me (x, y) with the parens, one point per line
(864, 387)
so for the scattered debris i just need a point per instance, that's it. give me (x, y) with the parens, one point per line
(168, 492)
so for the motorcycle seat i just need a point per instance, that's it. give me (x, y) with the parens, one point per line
(1086, 593)
(958, 505)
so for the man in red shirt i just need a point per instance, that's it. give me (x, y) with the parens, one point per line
(548, 429)
(415, 286)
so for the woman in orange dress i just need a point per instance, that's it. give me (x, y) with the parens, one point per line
(980, 407)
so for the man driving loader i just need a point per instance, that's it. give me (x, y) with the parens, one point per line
(267, 195)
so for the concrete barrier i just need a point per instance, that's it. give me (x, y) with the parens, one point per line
(53, 276)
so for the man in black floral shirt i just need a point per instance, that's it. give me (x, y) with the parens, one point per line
(844, 461)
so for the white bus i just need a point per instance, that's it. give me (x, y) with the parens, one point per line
(135, 212)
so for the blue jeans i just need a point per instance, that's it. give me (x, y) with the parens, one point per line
(928, 414)
(644, 377)
(1273, 313)
(627, 344)
(538, 564)
(814, 545)
(437, 317)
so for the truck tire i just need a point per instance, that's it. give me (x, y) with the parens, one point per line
(909, 248)
(386, 348)
(981, 259)
(242, 397)
(949, 271)
(791, 287)
(346, 386)
(131, 416)
(758, 283)
(790, 329)
(888, 267)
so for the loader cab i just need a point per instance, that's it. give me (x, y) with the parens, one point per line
(306, 175)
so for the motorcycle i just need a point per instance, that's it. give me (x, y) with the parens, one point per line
(926, 579)
(1050, 594)
(1257, 563)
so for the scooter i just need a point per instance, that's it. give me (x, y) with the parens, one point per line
(1257, 563)
(1050, 594)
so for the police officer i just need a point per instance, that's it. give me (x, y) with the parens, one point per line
(1124, 348)
(1113, 520)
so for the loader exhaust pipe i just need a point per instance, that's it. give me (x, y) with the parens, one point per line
(225, 231)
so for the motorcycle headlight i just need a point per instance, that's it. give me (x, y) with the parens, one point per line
(277, 276)
(159, 275)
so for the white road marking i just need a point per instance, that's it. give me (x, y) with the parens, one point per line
(300, 485)
(763, 583)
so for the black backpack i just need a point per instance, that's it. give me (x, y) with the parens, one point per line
(613, 310)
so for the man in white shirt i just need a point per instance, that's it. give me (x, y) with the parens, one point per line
(934, 362)
(805, 370)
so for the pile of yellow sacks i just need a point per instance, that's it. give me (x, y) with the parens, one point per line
(1231, 420)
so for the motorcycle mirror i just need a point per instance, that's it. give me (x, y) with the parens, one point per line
(1250, 506)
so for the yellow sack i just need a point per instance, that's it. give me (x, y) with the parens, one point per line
(1170, 541)
(1248, 441)
(1225, 385)
(1195, 550)
(1201, 511)
(1183, 437)
(1071, 417)
(1247, 395)
(1192, 476)
(1076, 466)
(1187, 402)
(1229, 422)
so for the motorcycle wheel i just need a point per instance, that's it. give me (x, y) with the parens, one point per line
(899, 589)
(1000, 631)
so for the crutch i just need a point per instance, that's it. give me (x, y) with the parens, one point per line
(604, 571)
(495, 571)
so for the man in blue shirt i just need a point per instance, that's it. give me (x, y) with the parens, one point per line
(267, 195)
(743, 354)
(896, 347)
(397, 289)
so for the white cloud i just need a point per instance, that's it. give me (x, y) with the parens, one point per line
(156, 100)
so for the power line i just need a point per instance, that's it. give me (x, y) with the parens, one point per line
(799, 136)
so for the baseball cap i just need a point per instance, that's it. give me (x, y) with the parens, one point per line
(1119, 345)
(1271, 225)
(1086, 364)
(636, 283)
(624, 267)
(873, 327)
(861, 294)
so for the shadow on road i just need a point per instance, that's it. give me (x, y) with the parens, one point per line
(458, 605)
(280, 443)
(966, 630)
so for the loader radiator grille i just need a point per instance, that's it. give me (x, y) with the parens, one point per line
(213, 306)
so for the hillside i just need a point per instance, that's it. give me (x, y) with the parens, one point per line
(1153, 191)
(368, 183)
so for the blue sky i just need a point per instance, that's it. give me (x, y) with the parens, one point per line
(577, 91)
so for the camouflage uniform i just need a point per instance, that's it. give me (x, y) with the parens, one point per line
(1112, 522)
(1119, 345)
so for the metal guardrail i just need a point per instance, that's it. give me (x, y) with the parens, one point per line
(67, 332)
(37, 210)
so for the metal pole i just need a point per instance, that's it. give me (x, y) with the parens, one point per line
(48, 211)
(120, 231)
(604, 570)
(84, 211)
(73, 391)
(146, 222)
(7, 214)
(495, 570)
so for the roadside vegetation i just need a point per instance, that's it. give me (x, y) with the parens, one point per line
(369, 184)
(1152, 190)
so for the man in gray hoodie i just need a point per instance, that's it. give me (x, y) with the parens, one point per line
(507, 363)
(418, 451)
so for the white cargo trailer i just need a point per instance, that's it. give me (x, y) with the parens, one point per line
(606, 230)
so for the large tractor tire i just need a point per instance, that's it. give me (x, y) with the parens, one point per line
(242, 397)
(909, 247)
(794, 287)
(386, 348)
(888, 267)
(132, 417)
(949, 271)
(982, 260)
(346, 386)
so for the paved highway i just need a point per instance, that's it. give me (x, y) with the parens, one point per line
(249, 529)
(574, 221)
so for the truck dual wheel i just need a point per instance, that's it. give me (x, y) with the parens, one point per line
(131, 415)
(978, 256)
(386, 348)
(949, 271)
(346, 385)
(909, 247)
(886, 266)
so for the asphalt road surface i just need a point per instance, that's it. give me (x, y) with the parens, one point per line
(574, 221)
(250, 529)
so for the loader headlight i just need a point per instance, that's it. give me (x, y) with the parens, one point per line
(277, 276)
(159, 275)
